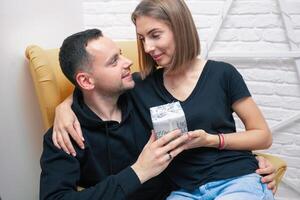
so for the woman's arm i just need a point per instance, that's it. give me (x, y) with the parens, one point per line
(65, 123)
(256, 135)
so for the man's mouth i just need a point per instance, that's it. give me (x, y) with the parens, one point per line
(127, 75)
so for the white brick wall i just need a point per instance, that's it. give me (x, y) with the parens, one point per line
(252, 25)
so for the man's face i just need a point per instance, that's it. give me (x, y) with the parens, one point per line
(110, 70)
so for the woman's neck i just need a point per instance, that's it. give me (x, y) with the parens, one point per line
(186, 68)
(180, 84)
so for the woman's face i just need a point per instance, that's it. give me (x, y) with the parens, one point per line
(157, 38)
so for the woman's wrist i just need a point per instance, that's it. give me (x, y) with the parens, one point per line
(213, 140)
(68, 100)
(221, 141)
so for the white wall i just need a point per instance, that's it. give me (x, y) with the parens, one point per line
(252, 25)
(45, 23)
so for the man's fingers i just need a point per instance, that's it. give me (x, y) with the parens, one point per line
(274, 189)
(151, 139)
(261, 162)
(268, 178)
(175, 143)
(266, 170)
(272, 186)
(177, 151)
(168, 137)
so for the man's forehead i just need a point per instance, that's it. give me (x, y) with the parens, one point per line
(101, 44)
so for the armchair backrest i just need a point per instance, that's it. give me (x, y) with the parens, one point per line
(51, 86)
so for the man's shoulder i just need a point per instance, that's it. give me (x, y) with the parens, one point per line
(48, 133)
(48, 137)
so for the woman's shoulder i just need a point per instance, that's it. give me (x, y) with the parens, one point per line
(222, 68)
(220, 65)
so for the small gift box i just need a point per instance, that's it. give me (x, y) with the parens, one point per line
(168, 117)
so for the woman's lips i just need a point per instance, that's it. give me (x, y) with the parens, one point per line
(157, 57)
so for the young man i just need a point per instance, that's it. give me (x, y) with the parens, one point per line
(118, 160)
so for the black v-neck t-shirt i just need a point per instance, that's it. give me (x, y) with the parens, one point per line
(209, 107)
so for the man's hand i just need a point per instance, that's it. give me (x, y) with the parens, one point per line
(157, 154)
(267, 170)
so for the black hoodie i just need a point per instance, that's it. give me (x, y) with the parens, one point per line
(103, 167)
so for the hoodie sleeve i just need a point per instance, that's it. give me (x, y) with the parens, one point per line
(61, 173)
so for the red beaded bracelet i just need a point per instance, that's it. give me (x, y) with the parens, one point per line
(221, 141)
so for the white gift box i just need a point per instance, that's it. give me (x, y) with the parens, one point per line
(168, 117)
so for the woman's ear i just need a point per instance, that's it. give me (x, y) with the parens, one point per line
(85, 81)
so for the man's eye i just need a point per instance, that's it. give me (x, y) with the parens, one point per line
(115, 61)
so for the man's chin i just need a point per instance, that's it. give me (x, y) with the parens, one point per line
(129, 85)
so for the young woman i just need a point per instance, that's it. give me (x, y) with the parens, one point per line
(219, 163)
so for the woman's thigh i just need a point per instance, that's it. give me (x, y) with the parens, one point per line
(241, 188)
(245, 188)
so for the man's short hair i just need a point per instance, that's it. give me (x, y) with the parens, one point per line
(73, 55)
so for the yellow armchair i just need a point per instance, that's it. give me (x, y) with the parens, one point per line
(52, 87)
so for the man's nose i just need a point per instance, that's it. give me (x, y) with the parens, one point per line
(127, 62)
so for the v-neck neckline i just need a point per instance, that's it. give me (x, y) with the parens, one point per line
(199, 84)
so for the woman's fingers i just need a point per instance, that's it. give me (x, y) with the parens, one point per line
(68, 144)
(75, 135)
(61, 143)
(54, 135)
(78, 129)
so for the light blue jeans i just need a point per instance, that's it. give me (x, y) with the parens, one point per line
(247, 187)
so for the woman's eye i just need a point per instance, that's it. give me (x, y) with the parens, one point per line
(156, 36)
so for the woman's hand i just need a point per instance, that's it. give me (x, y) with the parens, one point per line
(157, 154)
(66, 123)
(267, 170)
(200, 138)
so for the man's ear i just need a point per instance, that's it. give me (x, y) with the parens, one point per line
(85, 81)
